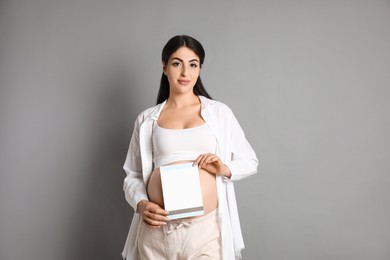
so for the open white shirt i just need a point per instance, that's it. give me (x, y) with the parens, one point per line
(234, 151)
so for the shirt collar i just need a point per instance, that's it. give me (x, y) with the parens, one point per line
(157, 111)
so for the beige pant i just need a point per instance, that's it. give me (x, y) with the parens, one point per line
(197, 238)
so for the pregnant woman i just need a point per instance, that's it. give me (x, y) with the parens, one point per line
(185, 126)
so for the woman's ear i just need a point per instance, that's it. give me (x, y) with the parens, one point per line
(164, 67)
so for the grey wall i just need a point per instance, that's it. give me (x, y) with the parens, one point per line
(308, 80)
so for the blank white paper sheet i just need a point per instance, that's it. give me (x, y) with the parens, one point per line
(181, 190)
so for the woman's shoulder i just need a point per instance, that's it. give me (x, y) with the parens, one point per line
(215, 105)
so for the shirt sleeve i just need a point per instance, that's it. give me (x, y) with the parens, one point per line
(244, 161)
(133, 184)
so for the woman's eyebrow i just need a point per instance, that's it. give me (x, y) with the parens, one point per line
(183, 61)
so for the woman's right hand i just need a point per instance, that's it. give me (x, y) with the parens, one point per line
(152, 214)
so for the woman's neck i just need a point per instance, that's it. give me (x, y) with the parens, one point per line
(179, 101)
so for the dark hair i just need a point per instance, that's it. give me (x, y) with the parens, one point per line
(172, 45)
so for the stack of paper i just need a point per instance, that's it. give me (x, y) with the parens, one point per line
(181, 190)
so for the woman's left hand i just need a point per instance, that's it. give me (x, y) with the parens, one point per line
(213, 164)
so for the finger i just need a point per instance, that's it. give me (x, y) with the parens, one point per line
(203, 157)
(155, 217)
(207, 159)
(197, 161)
(159, 211)
(210, 165)
(150, 226)
(153, 223)
(155, 208)
(215, 159)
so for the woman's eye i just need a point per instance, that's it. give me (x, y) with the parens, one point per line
(176, 64)
(194, 65)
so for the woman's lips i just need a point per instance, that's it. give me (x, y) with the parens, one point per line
(183, 81)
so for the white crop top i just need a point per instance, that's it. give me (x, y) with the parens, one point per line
(172, 145)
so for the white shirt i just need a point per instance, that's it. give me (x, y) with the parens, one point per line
(234, 151)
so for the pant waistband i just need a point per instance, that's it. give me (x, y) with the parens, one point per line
(179, 223)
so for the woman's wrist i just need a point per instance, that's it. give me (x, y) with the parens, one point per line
(226, 172)
(141, 205)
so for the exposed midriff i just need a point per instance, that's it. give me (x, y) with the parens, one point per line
(207, 182)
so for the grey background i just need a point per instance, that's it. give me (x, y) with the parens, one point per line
(308, 80)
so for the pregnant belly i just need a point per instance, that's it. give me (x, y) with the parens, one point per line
(207, 183)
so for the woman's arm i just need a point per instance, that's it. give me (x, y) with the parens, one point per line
(239, 159)
(133, 185)
(244, 161)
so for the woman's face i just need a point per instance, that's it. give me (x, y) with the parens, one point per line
(182, 70)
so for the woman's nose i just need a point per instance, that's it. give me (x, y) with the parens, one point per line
(184, 71)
